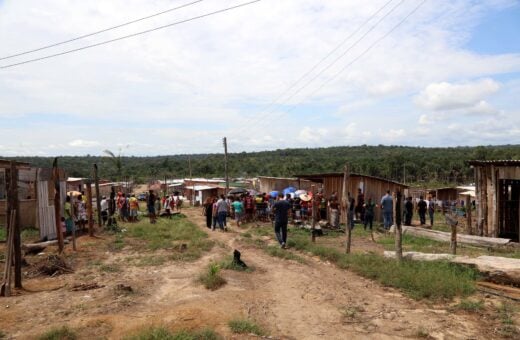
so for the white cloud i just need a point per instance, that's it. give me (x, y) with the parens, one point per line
(80, 143)
(448, 96)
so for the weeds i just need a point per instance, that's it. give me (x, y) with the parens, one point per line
(62, 333)
(283, 254)
(470, 306)
(110, 268)
(431, 280)
(508, 329)
(161, 333)
(211, 278)
(242, 326)
(229, 264)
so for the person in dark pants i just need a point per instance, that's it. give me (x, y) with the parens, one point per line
(281, 209)
(369, 213)
(421, 208)
(431, 210)
(207, 210)
(408, 211)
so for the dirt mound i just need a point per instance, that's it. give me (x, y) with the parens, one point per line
(52, 265)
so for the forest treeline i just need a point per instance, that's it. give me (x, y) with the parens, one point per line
(412, 165)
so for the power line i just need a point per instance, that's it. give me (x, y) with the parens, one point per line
(131, 35)
(359, 56)
(100, 31)
(269, 113)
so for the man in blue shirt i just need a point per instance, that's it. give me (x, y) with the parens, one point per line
(281, 209)
(387, 205)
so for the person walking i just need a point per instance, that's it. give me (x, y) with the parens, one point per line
(238, 209)
(387, 205)
(134, 208)
(151, 207)
(282, 210)
(431, 210)
(207, 210)
(222, 210)
(334, 211)
(104, 210)
(369, 209)
(408, 211)
(421, 208)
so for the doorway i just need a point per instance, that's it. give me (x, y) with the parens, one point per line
(509, 209)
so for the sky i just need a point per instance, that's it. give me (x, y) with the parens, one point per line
(269, 75)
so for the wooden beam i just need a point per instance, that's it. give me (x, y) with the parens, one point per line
(57, 203)
(17, 242)
(90, 214)
(346, 205)
(98, 196)
(398, 226)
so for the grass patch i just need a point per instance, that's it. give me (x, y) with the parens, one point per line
(30, 234)
(430, 280)
(110, 268)
(150, 261)
(3, 233)
(229, 264)
(62, 333)
(211, 278)
(470, 306)
(283, 254)
(507, 329)
(242, 326)
(161, 333)
(261, 231)
(3, 335)
(166, 233)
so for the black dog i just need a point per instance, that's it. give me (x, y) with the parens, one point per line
(237, 260)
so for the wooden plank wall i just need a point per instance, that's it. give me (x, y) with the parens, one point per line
(46, 214)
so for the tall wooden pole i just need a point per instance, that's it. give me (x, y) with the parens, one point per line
(89, 209)
(468, 215)
(98, 196)
(313, 214)
(13, 205)
(346, 208)
(226, 164)
(192, 184)
(398, 227)
(57, 203)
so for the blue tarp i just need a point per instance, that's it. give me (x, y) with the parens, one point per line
(289, 190)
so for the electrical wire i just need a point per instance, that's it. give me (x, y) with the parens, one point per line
(100, 31)
(359, 56)
(130, 35)
(270, 113)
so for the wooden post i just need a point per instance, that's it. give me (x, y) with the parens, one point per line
(313, 212)
(398, 227)
(226, 164)
(90, 213)
(98, 196)
(346, 207)
(468, 215)
(57, 203)
(453, 223)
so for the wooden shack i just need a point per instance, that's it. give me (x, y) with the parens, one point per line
(498, 198)
(268, 184)
(371, 186)
(35, 197)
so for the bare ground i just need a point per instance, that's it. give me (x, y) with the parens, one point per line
(290, 300)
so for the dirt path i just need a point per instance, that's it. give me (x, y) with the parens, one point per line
(315, 300)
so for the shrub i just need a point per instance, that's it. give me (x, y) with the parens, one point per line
(242, 326)
(211, 278)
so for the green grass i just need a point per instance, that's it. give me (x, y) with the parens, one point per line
(420, 280)
(166, 233)
(110, 268)
(470, 306)
(276, 251)
(150, 261)
(506, 312)
(229, 264)
(161, 333)
(211, 278)
(62, 333)
(242, 326)
(3, 233)
(30, 234)
(3, 335)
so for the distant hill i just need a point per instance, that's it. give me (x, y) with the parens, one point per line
(415, 165)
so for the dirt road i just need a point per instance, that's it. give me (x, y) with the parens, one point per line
(290, 300)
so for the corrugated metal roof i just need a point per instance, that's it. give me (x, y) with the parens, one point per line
(503, 162)
(340, 174)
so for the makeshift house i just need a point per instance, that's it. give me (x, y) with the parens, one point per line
(199, 193)
(498, 198)
(35, 196)
(374, 187)
(268, 184)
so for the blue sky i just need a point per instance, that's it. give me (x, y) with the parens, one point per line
(449, 75)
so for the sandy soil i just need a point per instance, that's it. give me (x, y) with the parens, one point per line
(315, 300)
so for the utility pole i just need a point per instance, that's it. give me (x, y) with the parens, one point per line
(57, 203)
(192, 184)
(224, 140)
